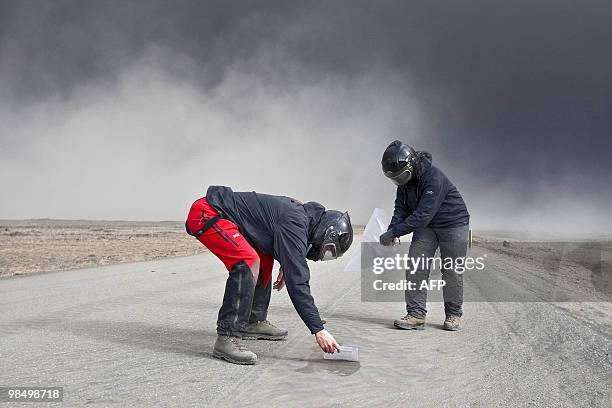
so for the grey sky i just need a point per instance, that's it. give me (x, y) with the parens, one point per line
(113, 109)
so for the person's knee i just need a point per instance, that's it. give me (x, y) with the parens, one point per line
(422, 249)
(252, 261)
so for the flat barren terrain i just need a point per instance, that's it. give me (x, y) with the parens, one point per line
(32, 246)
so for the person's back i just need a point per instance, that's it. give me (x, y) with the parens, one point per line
(258, 215)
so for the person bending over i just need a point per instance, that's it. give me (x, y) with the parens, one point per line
(247, 231)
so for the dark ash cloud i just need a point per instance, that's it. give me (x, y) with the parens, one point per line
(108, 105)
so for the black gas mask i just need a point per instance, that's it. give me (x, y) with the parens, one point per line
(331, 237)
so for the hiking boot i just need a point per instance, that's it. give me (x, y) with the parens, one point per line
(409, 322)
(263, 330)
(232, 349)
(452, 322)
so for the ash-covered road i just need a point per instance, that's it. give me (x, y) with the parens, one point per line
(141, 335)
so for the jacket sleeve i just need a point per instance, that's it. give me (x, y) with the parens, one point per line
(290, 246)
(400, 212)
(432, 193)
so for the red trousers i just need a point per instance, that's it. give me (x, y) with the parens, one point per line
(227, 243)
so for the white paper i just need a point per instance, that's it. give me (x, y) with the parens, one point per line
(348, 353)
(377, 224)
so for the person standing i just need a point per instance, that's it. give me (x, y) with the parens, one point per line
(430, 207)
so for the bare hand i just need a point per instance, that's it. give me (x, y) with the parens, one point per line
(280, 280)
(327, 342)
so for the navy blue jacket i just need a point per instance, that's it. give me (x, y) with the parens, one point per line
(428, 200)
(279, 227)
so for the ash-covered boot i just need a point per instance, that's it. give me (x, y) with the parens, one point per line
(231, 348)
(452, 323)
(263, 330)
(410, 322)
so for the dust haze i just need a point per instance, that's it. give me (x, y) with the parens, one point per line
(115, 111)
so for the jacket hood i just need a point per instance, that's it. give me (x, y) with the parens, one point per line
(314, 212)
(425, 160)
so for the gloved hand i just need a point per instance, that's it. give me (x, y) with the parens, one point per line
(387, 238)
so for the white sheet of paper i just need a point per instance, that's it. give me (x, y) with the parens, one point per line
(377, 224)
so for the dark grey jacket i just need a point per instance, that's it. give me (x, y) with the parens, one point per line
(277, 226)
(429, 199)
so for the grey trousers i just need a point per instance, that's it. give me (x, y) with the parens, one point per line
(453, 244)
